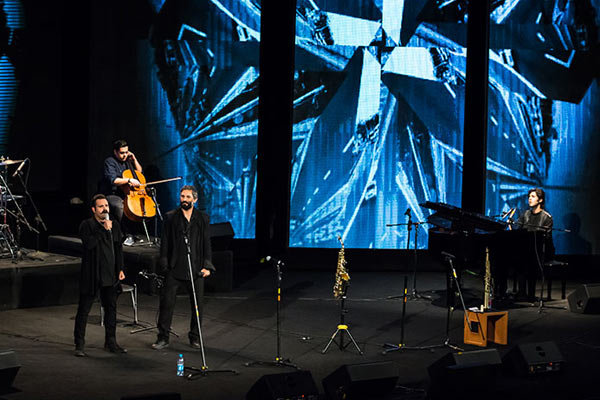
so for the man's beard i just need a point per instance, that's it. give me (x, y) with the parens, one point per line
(186, 205)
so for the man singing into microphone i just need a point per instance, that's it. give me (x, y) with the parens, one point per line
(183, 223)
(101, 271)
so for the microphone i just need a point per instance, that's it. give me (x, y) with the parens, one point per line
(19, 168)
(511, 212)
(448, 255)
(407, 212)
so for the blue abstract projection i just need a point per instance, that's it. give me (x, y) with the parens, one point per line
(206, 52)
(11, 26)
(378, 110)
(543, 114)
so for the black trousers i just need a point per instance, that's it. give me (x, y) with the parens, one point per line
(108, 299)
(168, 298)
(116, 206)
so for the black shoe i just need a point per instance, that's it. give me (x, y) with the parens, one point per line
(79, 352)
(160, 344)
(194, 344)
(114, 348)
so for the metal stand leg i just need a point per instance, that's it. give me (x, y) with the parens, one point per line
(203, 370)
(279, 361)
(146, 231)
(342, 327)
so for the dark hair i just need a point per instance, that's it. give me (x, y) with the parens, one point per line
(117, 144)
(96, 198)
(192, 188)
(540, 194)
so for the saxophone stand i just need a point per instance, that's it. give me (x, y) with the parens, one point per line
(278, 361)
(202, 370)
(415, 295)
(342, 327)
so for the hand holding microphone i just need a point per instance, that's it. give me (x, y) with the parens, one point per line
(107, 222)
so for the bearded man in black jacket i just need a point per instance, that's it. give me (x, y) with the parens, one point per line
(101, 272)
(183, 223)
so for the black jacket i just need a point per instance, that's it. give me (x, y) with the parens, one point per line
(91, 232)
(545, 225)
(172, 246)
(546, 221)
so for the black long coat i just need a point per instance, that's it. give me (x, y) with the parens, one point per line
(171, 247)
(91, 232)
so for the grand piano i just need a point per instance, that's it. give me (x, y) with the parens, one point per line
(466, 235)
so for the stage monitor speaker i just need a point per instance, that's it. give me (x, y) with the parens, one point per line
(9, 366)
(291, 386)
(585, 299)
(220, 235)
(155, 396)
(528, 359)
(361, 381)
(465, 373)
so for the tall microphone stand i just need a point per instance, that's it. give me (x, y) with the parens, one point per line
(415, 295)
(278, 361)
(202, 370)
(152, 192)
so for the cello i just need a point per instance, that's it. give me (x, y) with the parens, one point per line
(137, 204)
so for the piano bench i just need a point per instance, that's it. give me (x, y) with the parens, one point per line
(556, 269)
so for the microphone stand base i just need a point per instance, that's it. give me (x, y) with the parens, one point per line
(389, 347)
(278, 362)
(205, 371)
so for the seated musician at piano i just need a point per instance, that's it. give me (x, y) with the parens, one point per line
(113, 180)
(535, 219)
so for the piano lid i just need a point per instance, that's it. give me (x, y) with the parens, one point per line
(455, 218)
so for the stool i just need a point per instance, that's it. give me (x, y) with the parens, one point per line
(132, 290)
(489, 326)
(556, 268)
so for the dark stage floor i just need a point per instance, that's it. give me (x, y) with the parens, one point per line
(240, 326)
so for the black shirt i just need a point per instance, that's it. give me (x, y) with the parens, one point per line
(113, 169)
(189, 230)
(107, 257)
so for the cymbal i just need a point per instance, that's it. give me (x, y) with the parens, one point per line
(9, 162)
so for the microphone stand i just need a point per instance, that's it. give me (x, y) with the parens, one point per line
(541, 261)
(279, 361)
(152, 191)
(202, 370)
(415, 295)
(159, 282)
(389, 347)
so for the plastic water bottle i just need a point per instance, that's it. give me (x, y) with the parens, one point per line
(180, 365)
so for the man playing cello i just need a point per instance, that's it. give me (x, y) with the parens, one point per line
(112, 179)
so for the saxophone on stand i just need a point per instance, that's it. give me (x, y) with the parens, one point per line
(487, 288)
(339, 292)
(341, 274)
